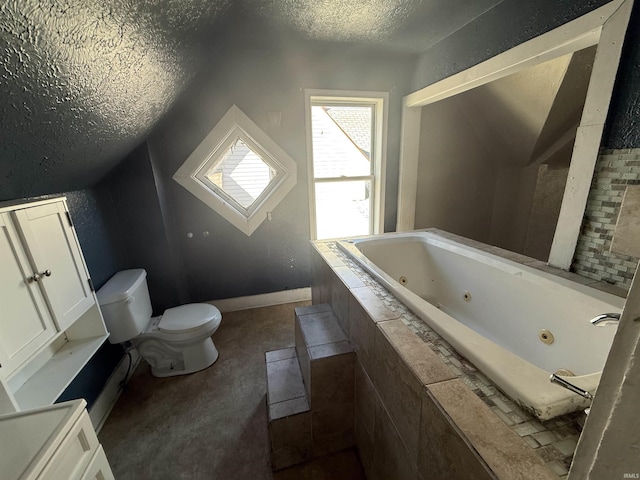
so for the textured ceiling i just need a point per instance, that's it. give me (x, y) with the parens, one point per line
(83, 82)
(404, 25)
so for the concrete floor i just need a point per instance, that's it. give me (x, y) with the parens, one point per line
(212, 424)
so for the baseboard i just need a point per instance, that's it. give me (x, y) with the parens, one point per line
(263, 300)
(105, 402)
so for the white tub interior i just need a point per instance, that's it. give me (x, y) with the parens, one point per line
(492, 311)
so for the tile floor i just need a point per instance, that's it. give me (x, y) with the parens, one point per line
(212, 424)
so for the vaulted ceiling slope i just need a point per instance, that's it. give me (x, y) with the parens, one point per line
(83, 82)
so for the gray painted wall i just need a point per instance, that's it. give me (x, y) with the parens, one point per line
(622, 129)
(227, 263)
(133, 191)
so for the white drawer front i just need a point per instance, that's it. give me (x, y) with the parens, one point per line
(74, 453)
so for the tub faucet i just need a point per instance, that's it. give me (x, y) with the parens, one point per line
(605, 319)
(570, 386)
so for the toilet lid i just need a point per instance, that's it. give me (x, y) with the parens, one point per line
(188, 317)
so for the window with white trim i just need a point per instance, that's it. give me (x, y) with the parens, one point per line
(238, 171)
(346, 134)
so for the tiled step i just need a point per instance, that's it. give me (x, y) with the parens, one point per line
(285, 390)
(310, 390)
(288, 410)
(327, 365)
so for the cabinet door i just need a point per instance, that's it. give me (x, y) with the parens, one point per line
(25, 321)
(53, 247)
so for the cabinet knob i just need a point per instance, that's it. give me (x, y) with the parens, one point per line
(37, 276)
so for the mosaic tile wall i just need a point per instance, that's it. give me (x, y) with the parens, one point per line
(615, 169)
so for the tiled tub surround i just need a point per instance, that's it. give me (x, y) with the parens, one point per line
(516, 324)
(416, 419)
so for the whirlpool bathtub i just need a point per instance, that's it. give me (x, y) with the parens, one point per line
(516, 324)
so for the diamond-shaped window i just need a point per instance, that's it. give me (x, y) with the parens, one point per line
(241, 174)
(238, 171)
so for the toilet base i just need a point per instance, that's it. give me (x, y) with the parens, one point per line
(168, 361)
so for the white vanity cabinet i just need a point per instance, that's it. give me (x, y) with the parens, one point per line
(50, 322)
(51, 443)
(57, 261)
(22, 300)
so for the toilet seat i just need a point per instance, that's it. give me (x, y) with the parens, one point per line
(189, 318)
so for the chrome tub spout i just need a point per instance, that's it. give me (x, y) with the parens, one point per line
(570, 386)
(605, 319)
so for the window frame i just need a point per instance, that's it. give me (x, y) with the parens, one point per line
(380, 103)
(265, 156)
(192, 174)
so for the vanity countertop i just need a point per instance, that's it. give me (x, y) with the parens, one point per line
(29, 438)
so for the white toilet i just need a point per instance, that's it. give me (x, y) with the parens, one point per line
(176, 343)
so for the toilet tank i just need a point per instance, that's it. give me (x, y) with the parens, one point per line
(125, 304)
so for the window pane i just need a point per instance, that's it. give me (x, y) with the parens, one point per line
(342, 208)
(341, 139)
(241, 174)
